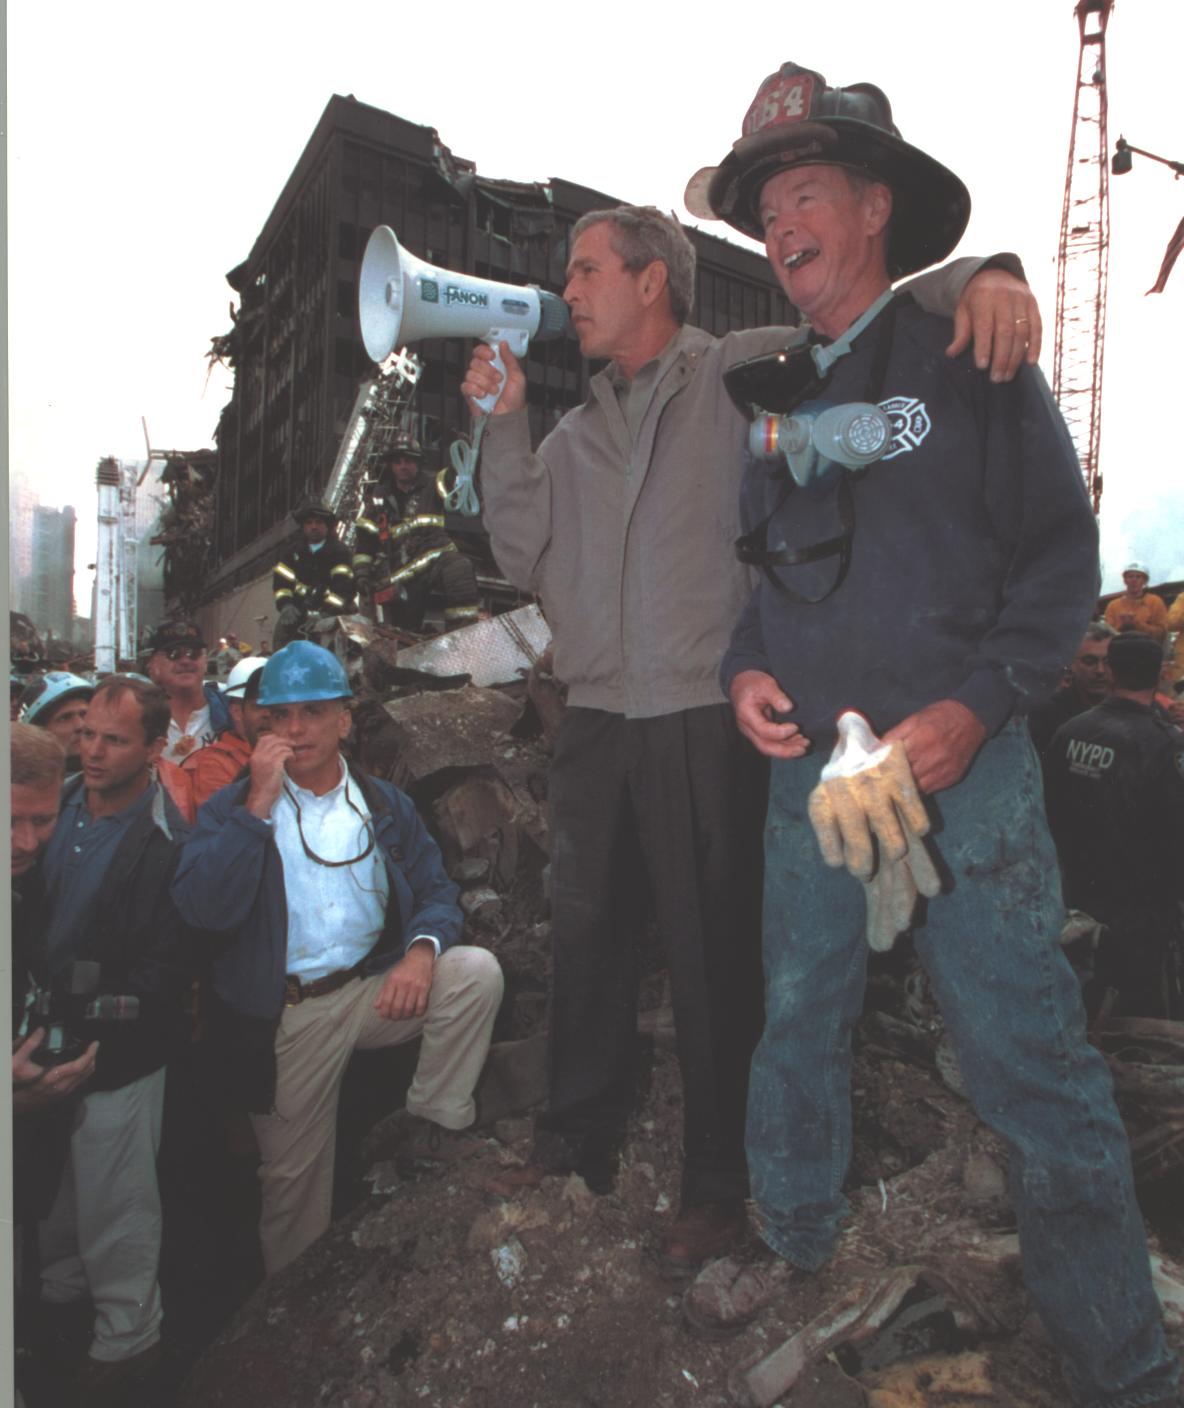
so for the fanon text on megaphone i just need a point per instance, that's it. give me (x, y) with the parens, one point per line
(402, 299)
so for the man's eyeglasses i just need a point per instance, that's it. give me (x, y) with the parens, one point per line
(185, 652)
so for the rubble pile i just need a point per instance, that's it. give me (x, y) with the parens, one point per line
(187, 525)
(435, 1291)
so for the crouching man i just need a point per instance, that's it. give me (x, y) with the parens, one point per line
(343, 933)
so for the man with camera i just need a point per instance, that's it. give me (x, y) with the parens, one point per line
(39, 1090)
(107, 870)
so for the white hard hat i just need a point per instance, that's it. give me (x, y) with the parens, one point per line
(1136, 567)
(236, 681)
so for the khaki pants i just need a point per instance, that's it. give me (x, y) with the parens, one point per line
(102, 1235)
(313, 1046)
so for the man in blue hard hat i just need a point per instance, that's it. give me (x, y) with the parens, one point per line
(343, 930)
(57, 702)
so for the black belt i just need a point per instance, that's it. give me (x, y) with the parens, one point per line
(296, 991)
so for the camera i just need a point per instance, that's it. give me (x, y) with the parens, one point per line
(63, 1007)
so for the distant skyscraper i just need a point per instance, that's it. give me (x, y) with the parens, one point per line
(21, 503)
(49, 596)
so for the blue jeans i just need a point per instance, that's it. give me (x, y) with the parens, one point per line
(1010, 1002)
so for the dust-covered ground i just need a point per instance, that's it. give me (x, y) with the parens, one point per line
(435, 1292)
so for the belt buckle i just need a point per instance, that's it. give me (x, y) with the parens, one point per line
(293, 991)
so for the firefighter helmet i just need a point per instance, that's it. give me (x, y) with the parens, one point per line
(314, 508)
(403, 446)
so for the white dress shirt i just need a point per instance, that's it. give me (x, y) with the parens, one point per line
(335, 913)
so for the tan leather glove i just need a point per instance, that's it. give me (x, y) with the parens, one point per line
(892, 892)
(868, 815)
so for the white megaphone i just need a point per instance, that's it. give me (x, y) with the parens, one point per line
(402, 299)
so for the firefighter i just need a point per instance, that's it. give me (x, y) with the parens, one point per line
(314, 576)
(401, 551)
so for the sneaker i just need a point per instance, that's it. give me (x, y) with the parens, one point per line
(729, 1294)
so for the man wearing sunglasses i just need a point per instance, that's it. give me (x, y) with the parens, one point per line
(938, 592)
(343, 934)
(177, 663)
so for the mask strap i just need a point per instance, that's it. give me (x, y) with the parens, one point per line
(752, 548)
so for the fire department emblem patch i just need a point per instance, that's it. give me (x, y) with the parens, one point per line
(910, 424)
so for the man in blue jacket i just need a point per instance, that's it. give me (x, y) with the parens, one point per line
(342, 934)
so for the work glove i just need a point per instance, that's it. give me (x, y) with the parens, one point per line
(868, 815)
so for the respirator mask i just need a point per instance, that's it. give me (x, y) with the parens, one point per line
(821, 440)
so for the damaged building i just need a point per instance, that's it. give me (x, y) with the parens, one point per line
(296, 350)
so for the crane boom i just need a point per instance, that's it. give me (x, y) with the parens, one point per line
(1083, 251)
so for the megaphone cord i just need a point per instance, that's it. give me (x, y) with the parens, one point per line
(462, 498)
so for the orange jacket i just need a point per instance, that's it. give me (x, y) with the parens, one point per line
(1148, 615)
(1176, 623)
(200, 774)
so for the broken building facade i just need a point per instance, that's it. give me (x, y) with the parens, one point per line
(296, 348)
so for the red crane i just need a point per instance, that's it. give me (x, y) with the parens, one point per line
(1083, 252)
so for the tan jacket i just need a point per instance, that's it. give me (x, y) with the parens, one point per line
(629, 546)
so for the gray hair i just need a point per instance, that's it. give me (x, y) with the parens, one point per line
(641, 235)
(1099, 630)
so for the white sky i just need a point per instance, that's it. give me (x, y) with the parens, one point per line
(148, 143)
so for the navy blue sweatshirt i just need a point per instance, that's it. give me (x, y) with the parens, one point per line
(974, 561)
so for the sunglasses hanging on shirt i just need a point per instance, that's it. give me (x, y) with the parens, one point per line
(321, 860)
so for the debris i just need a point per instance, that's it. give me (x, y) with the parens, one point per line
(478, 818)
(443, 735)
(481, 904)
(1146, 1059)
(471, 871)
(498, 651)
(509, 1261)
(383, 1178)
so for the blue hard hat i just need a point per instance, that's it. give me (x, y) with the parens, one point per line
(302, 672)
(49, 689)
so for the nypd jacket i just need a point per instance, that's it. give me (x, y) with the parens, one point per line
(321, 581)
(231, 880)
(628, 542)
(1114, 785)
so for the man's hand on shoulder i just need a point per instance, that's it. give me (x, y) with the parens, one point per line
(267, 774)
(408, 985)
(940, 742)
(756, 698)
(35, 1087)
(999, 313)
(482, 379)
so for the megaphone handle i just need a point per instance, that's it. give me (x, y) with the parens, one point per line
(485, 404)
(518, 340)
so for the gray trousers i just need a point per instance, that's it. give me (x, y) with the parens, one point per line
(102, 1235)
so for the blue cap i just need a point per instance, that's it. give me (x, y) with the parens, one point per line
(303, 672)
